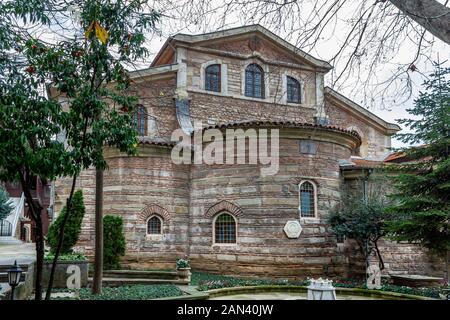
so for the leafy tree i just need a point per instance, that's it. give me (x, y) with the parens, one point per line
(114, 243)
(72, 228)
(421, 211)
(5, 205)
(361, 217)
(82, 70)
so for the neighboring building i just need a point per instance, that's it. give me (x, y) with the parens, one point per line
(19, 225)
(230, 218)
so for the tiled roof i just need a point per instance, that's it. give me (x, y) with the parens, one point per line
(283, 124)
(156, 142)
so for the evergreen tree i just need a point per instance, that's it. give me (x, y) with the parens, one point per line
(114, 241)
(72, 228)
(5, 205)
(421, 213)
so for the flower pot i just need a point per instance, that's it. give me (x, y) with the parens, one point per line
(184, 274)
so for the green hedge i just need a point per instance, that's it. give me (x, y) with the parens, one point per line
(113, 242)
(72, 228)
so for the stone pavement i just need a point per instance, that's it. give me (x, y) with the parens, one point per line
(23, 253)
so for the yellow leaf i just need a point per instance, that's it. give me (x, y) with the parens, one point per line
(89, 30)
(101, 33)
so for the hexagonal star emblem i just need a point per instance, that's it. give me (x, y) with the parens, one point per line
(292, 229)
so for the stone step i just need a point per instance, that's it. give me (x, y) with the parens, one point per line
(10, 240)
(140, 274)
(4, 267)
(115, 282)
(4, 277)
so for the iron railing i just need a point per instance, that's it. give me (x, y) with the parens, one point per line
(5, 228)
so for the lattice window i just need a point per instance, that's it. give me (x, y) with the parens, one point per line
(225, 229)
(293, 90)
(154, 225)
(212, 78)
(254, 81)
(140, 120)
(307, 199)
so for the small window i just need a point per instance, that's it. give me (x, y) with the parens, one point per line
(307, 199)
(154, 225)
(225, 229)
(212, 78)
(293, 90)
(254, 81)
(140, 120)
(308, 147)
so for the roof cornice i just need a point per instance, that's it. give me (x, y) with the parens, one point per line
(239, 31)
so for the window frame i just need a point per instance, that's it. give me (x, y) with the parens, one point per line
(137, 118)
(289, 86)
(161, 222)
(314, 197)
(218, 75)
(262, 82)
(214, 243)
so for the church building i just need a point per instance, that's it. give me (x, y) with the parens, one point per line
(233, 218)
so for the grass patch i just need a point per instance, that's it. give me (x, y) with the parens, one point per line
(135, 292)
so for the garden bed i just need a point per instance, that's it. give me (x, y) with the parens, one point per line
(136, 292)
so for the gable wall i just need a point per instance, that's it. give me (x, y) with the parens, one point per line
(375, 143)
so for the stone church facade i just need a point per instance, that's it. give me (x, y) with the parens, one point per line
(230, 218)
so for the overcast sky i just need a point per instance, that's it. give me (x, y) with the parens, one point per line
(211, 18)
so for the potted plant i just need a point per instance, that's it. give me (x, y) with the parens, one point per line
(184, 269)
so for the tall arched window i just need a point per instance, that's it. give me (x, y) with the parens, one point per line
(154, 225)
(224, 229)
(254, 81)
(140, 120)
(212, 78)
(307, 199)
(293, 90)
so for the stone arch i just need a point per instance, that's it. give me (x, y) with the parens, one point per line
(223, 206)
(153, 209)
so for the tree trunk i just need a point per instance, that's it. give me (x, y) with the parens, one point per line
(430, 14)
(447, 267)
(39, 238)
(98, 263)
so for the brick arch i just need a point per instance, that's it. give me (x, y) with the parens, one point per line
(152, 209)
(223, 206)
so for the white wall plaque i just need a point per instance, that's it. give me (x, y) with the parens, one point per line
(293, 229)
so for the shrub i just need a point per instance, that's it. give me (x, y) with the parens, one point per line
(183, 263)
(5, 205)
(113, 242)
(72, 228)
(66, 257)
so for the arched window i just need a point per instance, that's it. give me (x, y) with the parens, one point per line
(307, 199)
(293, 90)
(225, 229)
(140, 120)
(212, 78)
(154, 225)
(254, 81)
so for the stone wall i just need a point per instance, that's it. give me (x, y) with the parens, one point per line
(265, 205)
(375, 143)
